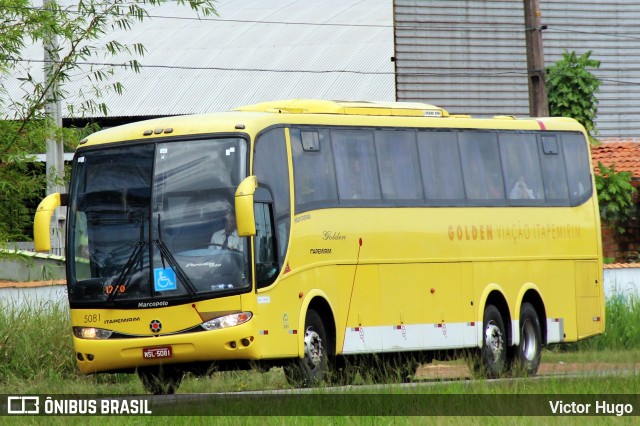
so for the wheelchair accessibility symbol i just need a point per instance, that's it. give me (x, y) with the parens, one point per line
(164, 279)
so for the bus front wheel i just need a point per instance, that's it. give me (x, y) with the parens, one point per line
(312, 369)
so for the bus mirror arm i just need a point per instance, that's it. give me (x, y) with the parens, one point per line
(42, 220)
(245, 216)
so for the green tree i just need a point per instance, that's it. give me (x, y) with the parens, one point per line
(572, 88)
(615, 196)
(81, 29)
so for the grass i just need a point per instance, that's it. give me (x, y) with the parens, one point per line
(35, 343)
(277, 420)
(589, 355)
(36, 357)
(36, 348)
(385, 398)
(622, 325)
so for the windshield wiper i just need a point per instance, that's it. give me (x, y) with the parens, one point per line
(135, 254)
(165, 253)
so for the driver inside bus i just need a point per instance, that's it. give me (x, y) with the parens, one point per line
(227, 238)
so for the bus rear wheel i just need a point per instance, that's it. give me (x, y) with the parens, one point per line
(311, 369)
(527, 355)
(490, 361)
(160, 379)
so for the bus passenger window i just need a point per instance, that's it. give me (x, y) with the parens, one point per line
(355, 160)
(440, 163)
(521, 166)
(315, 178)
(481, 166)
(556, 191)
(398, 165)
(577, 164)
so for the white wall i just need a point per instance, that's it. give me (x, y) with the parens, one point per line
(625, 281)
(622, 281)
(33, 297)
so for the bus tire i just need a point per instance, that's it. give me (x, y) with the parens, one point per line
(529, 350)
(312, 368)
(493, 355)
(160, 379)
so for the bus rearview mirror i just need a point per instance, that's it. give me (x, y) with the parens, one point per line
(245, 216)
(42, 221)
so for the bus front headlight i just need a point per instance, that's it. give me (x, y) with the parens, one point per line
(91, 333)
(227, 321)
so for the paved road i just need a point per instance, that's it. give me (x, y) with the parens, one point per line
(460, 371)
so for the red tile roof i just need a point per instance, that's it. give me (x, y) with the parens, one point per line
(624, 154)
(621, 266)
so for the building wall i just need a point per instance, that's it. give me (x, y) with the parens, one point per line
(24, 265)
(251, 51)
(622, 280)
(623, 247)
(469, 56)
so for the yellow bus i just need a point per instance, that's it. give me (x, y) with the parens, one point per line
(327, 237)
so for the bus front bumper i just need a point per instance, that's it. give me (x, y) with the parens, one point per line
(234, 343)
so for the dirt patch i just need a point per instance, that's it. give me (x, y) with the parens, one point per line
(30, 284)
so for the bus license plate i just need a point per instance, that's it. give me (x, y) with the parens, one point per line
(162, 352)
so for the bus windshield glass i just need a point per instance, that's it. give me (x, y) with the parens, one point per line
(156, 221)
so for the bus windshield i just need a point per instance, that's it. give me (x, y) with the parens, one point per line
(156, 221)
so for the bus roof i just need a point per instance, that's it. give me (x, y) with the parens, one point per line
(315, 106)
(253, 118)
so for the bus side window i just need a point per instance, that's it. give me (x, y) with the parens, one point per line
(271, 169)
(553, 172)
(398, 165)
(265, 245)
(440, 163)
(576, 157)
(481, 167)
(315, 177)
(356, 166)
(521, 166)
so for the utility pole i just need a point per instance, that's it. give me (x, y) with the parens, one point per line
(538, 104)
(55, 148)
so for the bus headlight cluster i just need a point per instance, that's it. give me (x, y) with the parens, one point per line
(91, 333)
(227, 321)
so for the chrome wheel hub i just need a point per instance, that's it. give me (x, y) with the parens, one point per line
(494, 340)
(313, 351)
(528, 343)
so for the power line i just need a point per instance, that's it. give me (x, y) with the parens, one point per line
(244, 21)
(453, 73)
(207, 68)
(566, 30)
(487, 26)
